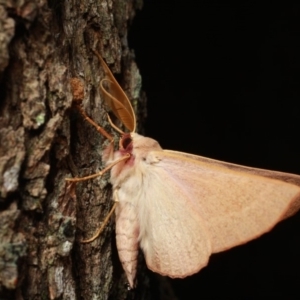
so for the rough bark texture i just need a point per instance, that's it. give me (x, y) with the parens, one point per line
(43, 44)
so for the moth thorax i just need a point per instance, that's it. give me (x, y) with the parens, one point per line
(141, 142)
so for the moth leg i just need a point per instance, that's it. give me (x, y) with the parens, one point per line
(77, 179)
(98, 232)
(115, 196)
(89, 120)
(77, 88)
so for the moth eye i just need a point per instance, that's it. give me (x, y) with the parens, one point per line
(126, 142)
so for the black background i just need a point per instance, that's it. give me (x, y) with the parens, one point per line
(222, 81)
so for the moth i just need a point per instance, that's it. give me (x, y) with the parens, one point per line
(179, 208)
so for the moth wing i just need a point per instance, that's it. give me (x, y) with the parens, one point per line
(198, 205)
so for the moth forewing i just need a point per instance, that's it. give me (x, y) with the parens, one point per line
(236, 203)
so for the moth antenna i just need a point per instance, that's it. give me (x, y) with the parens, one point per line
(98, 232)
(116, 98)
(101, 130)
(114, 126)
(77, 179)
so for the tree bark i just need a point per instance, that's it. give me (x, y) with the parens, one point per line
(44, 44)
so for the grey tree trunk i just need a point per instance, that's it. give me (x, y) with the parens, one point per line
(43, 45)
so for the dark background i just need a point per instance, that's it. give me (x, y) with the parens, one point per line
(222, 81)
